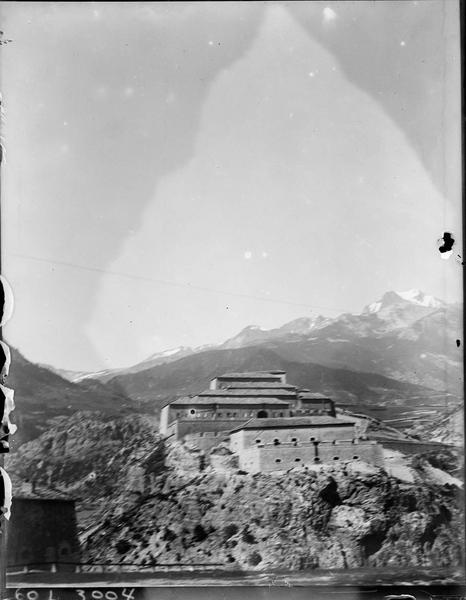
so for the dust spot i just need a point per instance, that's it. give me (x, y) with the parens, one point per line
(446, 243)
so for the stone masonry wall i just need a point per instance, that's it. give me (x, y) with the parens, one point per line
(181, 428)
(283, 457)
(300, 435)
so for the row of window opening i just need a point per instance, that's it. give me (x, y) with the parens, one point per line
(277, 442)
(207, 415)
(316, 459)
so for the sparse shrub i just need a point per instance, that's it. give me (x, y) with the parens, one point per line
(199, 533)
(254, 559)
(169, 535)
(122, 546)
(230, 530)
(248, 537)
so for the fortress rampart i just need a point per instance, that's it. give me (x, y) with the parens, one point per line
(268, 424)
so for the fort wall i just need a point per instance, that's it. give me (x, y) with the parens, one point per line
(232, 411)
(412, 447)
(179, 429)
(278, 458)
(251, 437)
(164, 415)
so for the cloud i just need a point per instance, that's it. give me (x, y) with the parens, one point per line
(248, 255)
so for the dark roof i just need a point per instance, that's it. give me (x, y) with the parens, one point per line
(260, 385)
(42, 494)
(252, 375)
(250, 392)
(293, 422)
(220, 399)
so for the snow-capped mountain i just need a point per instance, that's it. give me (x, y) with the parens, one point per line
(409, 336)
(414, 297)
(254, 334)
(417, 297)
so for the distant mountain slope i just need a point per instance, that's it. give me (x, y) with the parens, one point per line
(400, 349)
(423, 353)
(192, 374)
(41, 395)
(408, 336)
(448, 428)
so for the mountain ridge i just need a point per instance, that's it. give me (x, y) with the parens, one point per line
(394, 311)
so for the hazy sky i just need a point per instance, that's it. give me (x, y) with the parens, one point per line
(177, 171)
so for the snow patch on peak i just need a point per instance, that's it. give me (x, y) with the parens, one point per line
(414, 296)
(172, 351)
(418, 297)
(254, 328)
(374, 307)
(167, 353)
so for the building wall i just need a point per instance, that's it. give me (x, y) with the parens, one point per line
(324, 407)
(43, 531)
(409, 447)
(251, 437)
(366, 451)
(223, 382)
(192, 426)
(164, 415)
(231, 411)
(277, 458)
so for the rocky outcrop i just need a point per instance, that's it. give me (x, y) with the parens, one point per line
(296, 520)
(147, 504)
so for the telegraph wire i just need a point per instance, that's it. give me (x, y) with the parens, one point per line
(175, 283)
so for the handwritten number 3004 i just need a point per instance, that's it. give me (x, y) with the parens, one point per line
(83, 595)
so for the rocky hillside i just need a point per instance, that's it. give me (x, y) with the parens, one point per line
(87, 454)
(41, 395)
(303, 519)
(143, 505)
(448, 428)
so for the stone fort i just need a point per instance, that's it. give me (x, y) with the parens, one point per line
(267, 423)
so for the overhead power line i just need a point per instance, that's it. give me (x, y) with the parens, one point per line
(175, 283)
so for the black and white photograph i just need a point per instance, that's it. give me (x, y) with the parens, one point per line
(233, 235)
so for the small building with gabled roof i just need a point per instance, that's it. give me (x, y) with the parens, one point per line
(42, 533)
